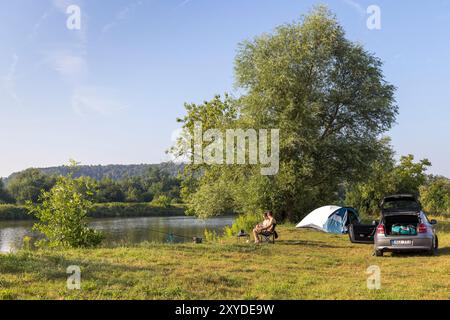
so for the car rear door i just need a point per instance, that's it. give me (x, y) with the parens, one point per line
(362, 233)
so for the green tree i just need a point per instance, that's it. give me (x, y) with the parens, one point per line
(331, 103)
(409, 176)
(386, 178)
(5, 197)
(435, 196)
(63, 214)
(109, 190)
(162, 201)
(28, 185)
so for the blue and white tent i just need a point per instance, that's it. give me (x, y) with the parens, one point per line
(331, 219)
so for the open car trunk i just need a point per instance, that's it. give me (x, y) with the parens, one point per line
(401, 224)
(400, 215)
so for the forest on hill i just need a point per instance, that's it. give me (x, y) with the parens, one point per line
(158, 183)
(112, 171)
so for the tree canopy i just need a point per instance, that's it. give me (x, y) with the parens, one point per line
(435, 195)
(5, 197)
(326, 95)
(386, 177)
(153, 181)
(27, 185)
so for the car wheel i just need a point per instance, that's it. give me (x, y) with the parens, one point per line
(350, 233)
(379, 253)
(433, 250)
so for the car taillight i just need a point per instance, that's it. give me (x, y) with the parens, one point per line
(422, 228)
(380, 229)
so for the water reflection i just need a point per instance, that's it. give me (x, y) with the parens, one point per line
(125, 230)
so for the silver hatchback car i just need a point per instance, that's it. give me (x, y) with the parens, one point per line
(403, 227)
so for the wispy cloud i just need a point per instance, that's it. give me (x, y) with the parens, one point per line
(9, 81)
(69, 60)
(357, 6)
(122, 15)
(38, 24)
(70, 64)
(183, 3)
(98, 100)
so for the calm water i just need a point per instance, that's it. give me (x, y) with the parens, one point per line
(125, 230)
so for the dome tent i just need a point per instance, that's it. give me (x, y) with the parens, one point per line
(331, 219)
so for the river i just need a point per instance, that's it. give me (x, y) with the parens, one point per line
(120, 231)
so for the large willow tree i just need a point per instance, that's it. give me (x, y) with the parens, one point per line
(328, 97)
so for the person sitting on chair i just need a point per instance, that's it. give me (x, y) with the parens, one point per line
(265, 226)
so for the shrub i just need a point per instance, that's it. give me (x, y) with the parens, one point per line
(244, 222)
(162, 201)
(211, 236)
(63, 215)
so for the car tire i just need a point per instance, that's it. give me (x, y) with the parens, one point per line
(350, 233)
(378, 253)
(434, 248)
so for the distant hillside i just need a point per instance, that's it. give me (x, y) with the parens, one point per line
(113, 171)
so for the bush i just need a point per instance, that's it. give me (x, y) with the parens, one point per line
(244, 222)
(210, 236)
(162, 201)
(63, 215)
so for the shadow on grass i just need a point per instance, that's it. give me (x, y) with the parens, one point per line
(54, 267)
(445, 251)
(319, 244)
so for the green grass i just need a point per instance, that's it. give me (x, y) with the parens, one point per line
(301, 265)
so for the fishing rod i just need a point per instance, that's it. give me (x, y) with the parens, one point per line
(171, 235)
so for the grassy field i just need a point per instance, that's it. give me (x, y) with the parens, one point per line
(301, 265)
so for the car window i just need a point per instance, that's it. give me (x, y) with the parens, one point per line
(397, 204)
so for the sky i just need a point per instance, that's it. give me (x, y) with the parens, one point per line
(110, 92)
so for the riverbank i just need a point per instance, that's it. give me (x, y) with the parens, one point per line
(302, 264)
(101, 210)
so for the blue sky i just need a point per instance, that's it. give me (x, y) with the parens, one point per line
(110, 92)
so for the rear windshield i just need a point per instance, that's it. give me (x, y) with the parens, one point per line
(401, 204)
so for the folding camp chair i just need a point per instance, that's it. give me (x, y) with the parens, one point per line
(269, 236)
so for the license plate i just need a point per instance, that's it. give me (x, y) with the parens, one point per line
(401, 242)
